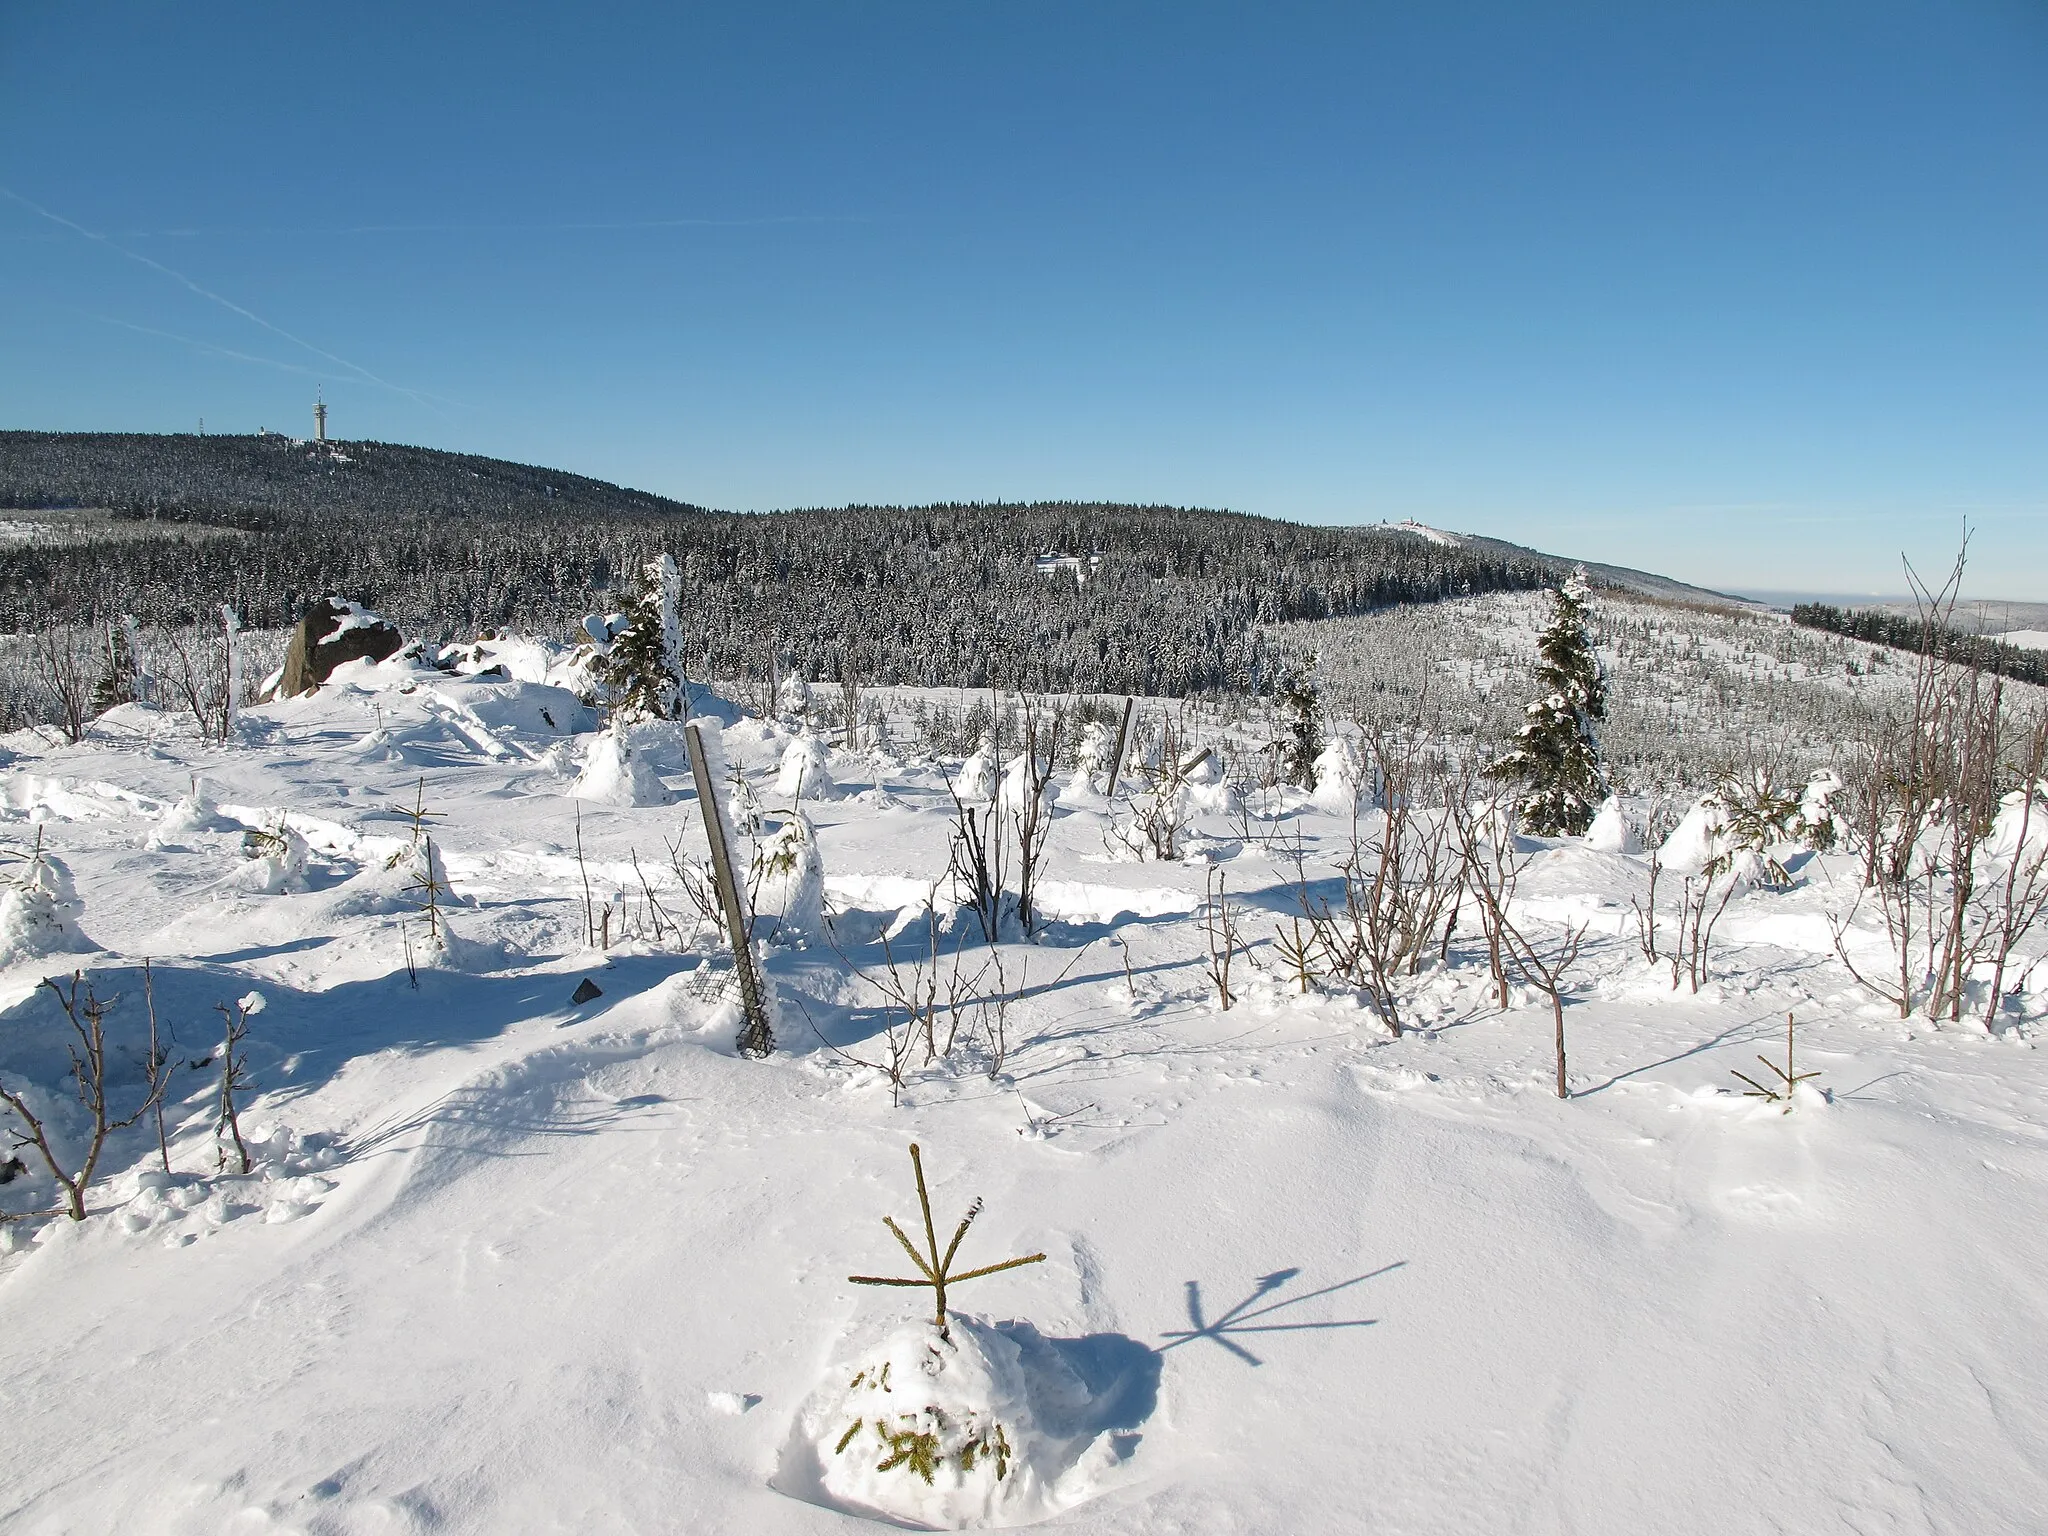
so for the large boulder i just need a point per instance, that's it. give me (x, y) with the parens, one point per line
(331, 632)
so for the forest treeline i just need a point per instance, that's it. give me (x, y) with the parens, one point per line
(451, 545)
(1913, 632)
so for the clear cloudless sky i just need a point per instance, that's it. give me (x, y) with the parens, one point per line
(1750, 292)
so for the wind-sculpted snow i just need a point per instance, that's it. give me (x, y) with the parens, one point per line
(515, 1257)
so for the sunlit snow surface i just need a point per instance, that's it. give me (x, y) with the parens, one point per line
(508, 1264)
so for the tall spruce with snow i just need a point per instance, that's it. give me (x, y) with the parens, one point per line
(645, 664)
(1556, 756)
(1302, 701)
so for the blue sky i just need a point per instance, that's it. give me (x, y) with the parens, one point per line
(1752, 294)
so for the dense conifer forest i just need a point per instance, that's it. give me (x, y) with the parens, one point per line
(1913, 632)
(451, 545)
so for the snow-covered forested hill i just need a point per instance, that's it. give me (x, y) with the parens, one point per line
(506, 1262)
(1693, 689)
(450, 545)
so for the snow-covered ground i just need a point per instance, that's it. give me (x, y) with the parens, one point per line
(510, 1264)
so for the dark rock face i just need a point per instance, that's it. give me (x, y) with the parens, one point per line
(330, 633)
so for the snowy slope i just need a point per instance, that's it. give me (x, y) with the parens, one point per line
(511, 1265)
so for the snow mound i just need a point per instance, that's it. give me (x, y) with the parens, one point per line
(1340, 773)
(995, 1426)
(789, 880)
(190, 817)
(806, 771)
(1610, 832)
(616, 774)
(38, 913)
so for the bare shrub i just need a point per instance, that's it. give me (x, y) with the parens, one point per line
(86, 1018)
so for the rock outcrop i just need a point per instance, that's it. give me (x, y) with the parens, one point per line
(331, 632)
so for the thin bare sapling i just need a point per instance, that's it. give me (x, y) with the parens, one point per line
(90, 1064)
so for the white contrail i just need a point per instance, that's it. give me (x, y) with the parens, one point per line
(207, 293)
(211, 348)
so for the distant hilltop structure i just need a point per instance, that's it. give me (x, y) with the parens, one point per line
(320, 417)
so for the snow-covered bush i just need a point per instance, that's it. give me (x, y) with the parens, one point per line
(787, 882)
(976, 778)
(38, 909)
(794, 701)
(274, 861)
(936, 1431)
(1339, 776)
(1091, 757)
(805, 772)
(616, 772)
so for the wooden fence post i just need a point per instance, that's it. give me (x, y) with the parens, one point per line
(1116, 762)
(757, 1038)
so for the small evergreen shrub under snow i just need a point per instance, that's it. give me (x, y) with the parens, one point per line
(38, 909)
(617, 773)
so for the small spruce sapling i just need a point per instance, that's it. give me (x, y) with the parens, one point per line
(1789, 1077)
(934, 1269)
(1302, 703)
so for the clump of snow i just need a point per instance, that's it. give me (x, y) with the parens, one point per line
(1016, 783)
(788, 881)
(1340, 775)
(1610, 831)
(806, 771)
(617, 773)
(38, 911)
(976, 778)
(1700, 838)
(952, 1432)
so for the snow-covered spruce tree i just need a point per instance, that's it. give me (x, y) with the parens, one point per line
(1302, 702)
(1556, 756)
(644, 667)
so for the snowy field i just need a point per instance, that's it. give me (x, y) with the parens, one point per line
(506, 1263)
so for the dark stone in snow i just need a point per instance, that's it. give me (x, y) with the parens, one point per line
(331, 633)
(586, 989)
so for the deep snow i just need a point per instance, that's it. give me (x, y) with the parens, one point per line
(509, 1264)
